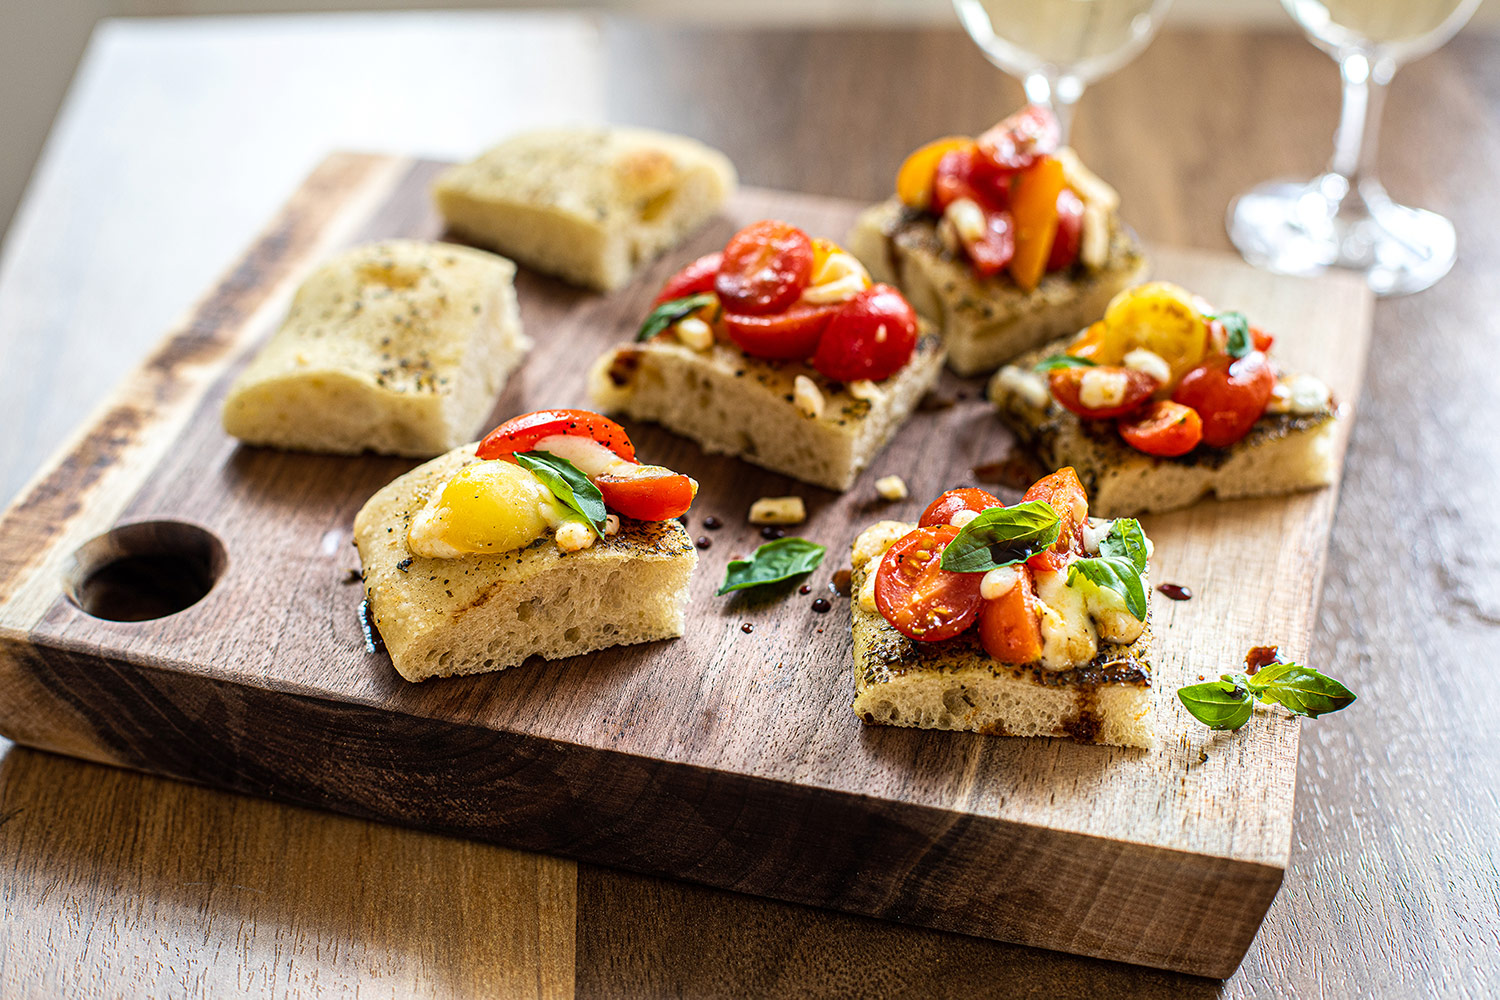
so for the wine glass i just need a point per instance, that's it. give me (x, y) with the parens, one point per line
(1057, 47)
(1344, 218)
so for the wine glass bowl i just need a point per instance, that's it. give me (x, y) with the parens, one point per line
(1344, 218)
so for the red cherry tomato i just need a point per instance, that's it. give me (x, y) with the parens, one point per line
(1010, 627)
(1067, 384)
(991, 253)
(1064, 493)
(871, 336)
(1022, 139)
(523, 432)
(915, 594)
(941, 510)
(785, 336)
(651, 494)
(1164, 428)
(963, 173)
(1229, 394)
(1261, 339)
(696, 277)
(1069, 234)
(765, 267)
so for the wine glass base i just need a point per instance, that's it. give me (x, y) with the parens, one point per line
(1307, 227)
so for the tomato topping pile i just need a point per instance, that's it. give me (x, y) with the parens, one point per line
(1032, 222)
(1171, 375)
(644, 492)
(767, 282)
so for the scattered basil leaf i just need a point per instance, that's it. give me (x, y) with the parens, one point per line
(1002, 536)
(1116, 573)
(1126, 540)
(568, 484)
(1220, 704)
(1237, 327)
(1062, 361)
(1300, 690)
(772, 562)
(672, 311)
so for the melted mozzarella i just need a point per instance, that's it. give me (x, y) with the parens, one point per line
(1069, 638)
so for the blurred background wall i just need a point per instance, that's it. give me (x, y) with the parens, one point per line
(41, 41)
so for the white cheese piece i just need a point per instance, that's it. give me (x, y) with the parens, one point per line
(866, 390)
(998, 582)
(1299, 393)
(1151, 363)
(962, 517)
(867, 593)
(425, 536)
(1085, 183)
(1093, 237)
(778, 510)
(611, 525)
(873, 542)
(891, 488)
(967, 219)
(839, 279)
(1100, 388)
(695, 334)
(1028, 385)
(591, 457)
(1094, 530)
(807, 397)
(1069, 638)
(573, 536)
(1112, 619)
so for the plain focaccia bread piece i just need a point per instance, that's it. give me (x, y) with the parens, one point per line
(985, 322)
(738, 405)
(954, 684)
(443, 617)
(397, 347)
(588, 205)
(1283, 453)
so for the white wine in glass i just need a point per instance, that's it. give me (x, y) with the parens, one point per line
(1057, 47)
(1344, 218)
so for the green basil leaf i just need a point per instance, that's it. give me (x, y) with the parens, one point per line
(1300, 690)
(1062, 361)
(772, 562)
(568, 484)
(1126, 540)
(1220, 704)
(1115, 573)
(1238, 327)
(1001, 536)
(672, 311)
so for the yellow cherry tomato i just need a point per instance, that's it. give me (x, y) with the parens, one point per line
(1089, 342)
(493, 506)
(914, 179)
(1162, 318)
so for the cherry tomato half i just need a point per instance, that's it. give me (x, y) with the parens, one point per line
(1069, 236)
(1229, 394)
(785, 336)
(1164, 428)
(941, 510)
(994, 250)
(963, 173)
(1010, 627)
(652, 493)
(914, 180)
(1134, 389)
(870, 336)
(1023, 138)
(1065, 494)
(765, 267)
(916, 595)
(696, 277)
(523, 432)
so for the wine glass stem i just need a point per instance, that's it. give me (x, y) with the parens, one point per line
(1046, 87)
(1365, 78)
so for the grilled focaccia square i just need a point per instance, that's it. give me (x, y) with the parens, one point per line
(480, 613)
(398, 347)
(587, 205)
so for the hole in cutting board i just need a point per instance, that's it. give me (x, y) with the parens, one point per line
(139, 572)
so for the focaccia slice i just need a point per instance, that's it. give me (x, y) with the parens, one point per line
(479, 613)
(587, 205)
(398, 347)
(734, 404)
(985, 322)
(956, 685)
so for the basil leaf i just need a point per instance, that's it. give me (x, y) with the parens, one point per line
(1300, 690)
(1126, 540)
(673, 311)
(568, 484)
(1062, 361)
(1115, 573)
(1220, 704)
(772, 563)
(1238, 328)
(1001, 536)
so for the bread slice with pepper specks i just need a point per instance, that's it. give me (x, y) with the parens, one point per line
(589, 205)
(955, 685)
(734, 404)
(398, 347)
(479, 613)
(985, 322)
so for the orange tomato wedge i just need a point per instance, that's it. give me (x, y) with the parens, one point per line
(914, 179)
(1088, 343)
(1009, 626)
(1034, 207)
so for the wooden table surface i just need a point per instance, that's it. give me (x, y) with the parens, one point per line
(177, 139)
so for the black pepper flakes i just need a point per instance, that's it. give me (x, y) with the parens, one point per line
(404, 564)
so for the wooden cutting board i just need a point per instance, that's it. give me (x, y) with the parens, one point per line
(726, 757)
